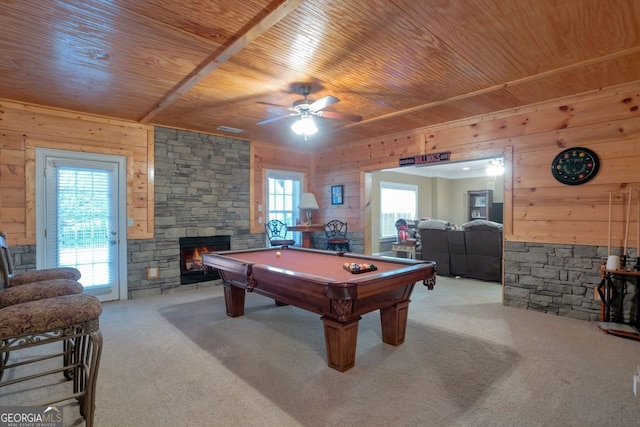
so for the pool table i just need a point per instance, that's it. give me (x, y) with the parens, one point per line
(317, 281)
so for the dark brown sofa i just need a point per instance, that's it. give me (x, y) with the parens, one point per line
(475, 252)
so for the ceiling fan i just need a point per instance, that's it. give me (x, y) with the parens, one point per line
(305, 108)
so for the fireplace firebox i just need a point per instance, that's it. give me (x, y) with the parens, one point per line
(191, 250)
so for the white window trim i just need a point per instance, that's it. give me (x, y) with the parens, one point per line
(396, 186)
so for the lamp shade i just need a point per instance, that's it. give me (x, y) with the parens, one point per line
(308, 201)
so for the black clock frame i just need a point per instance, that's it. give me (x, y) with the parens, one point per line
(563, 166)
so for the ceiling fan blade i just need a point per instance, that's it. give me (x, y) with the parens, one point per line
(339, 116)
(273, 119)
(323, 103)
(273, 105)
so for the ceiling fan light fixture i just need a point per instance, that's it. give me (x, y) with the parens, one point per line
(305, 126)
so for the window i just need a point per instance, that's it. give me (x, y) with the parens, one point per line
(283, 195)
(396, 201)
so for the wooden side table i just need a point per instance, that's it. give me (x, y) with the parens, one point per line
(608, 294)
(307, 232)
(410, 250)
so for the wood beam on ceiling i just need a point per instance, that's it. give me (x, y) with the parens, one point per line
(494, 88)
(216, 59)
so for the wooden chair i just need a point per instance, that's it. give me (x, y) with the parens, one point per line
(336, 232)
(12, 279)
(277, 233)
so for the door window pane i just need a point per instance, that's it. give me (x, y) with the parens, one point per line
(84, 215)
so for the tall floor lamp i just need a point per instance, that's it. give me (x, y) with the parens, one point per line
(308, 202)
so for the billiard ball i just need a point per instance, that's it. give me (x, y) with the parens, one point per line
(278, 253)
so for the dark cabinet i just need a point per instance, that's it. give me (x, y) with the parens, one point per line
(480, 203)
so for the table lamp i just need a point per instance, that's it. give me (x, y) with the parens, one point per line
(308, 202)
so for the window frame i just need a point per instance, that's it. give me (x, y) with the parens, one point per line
(294, 212)
(388, 185)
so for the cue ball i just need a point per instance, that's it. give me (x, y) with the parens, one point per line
(278, 253)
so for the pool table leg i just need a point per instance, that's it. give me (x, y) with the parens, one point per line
(340, 340)
(234, 300)
(394, 322)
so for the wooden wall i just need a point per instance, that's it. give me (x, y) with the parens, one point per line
(537, 207)
(268, 156)
(23, 128)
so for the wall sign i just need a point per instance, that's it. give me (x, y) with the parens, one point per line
(426, 159)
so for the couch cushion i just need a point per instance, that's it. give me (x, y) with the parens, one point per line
(434, 224)
(482, 225)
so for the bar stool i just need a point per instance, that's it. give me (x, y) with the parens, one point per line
(73, 318)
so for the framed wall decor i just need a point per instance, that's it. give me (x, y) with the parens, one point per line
(336, 195)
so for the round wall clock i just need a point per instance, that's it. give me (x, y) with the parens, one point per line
(575, 166)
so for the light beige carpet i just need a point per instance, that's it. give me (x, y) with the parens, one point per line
(178, 360)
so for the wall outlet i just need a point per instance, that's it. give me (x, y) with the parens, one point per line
(152, 273)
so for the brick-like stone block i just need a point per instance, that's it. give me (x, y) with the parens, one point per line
(546, 273)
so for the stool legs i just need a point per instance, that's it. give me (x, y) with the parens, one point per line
(82, 349)
(87, 352)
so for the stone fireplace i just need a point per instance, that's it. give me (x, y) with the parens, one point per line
(191, 251)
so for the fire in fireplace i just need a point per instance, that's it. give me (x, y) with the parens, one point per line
(191, 251)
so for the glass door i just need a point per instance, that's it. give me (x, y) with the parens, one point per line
(81, 222)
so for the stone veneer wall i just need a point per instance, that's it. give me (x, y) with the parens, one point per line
(556, 279)
(356, 241)
(201, 189)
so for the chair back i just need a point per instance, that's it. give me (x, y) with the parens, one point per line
(6, 263)
(276, 229)
(277, 233)
(335, 229)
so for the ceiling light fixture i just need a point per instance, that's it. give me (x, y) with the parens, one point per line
(305, 126)
(496, 167)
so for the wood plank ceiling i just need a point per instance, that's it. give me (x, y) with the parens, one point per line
(400, 64)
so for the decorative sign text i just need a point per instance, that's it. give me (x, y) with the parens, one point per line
(426, 158)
